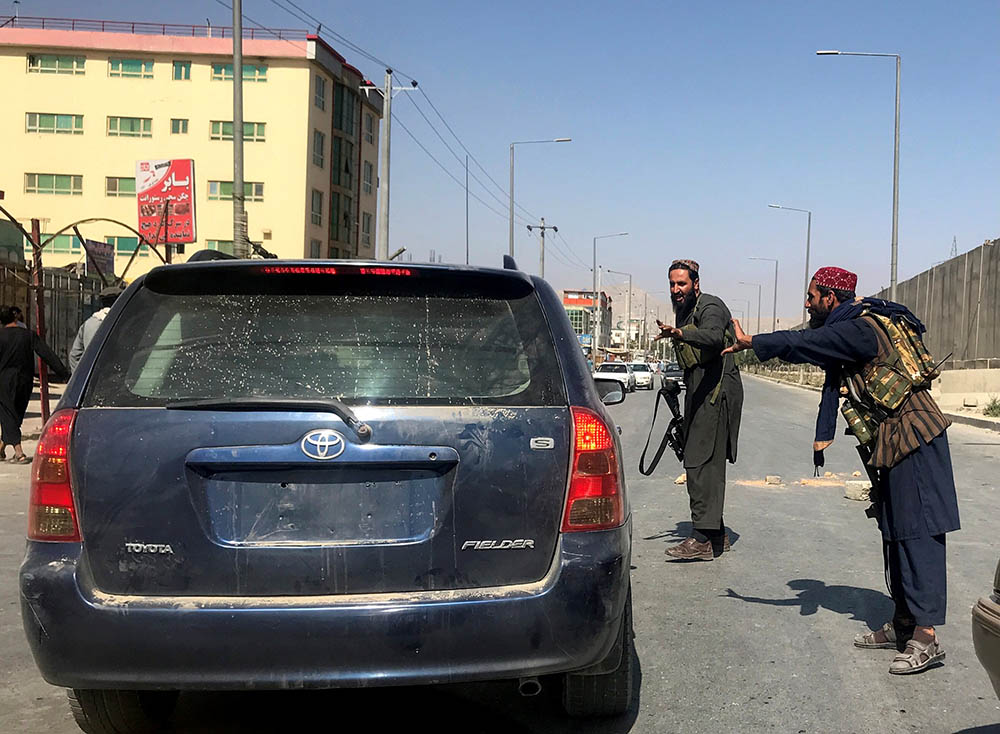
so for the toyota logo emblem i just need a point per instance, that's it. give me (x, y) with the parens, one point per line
(323, 444)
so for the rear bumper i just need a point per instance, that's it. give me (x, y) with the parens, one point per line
(566, 621)
(986, 638)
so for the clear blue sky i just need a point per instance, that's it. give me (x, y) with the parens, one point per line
(687, 119)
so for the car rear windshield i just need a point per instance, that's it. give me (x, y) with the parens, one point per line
(379, 345)
(613, 368)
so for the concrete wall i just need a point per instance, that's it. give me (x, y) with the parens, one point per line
(959, 302)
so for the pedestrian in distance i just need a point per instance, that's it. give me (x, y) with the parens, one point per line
(713, 405)
(19, 316)
(17, 374)
(873, 356)
(85, 334)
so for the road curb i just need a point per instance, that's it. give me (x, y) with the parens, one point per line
(775, 380)
(971, 420)
(962, 418)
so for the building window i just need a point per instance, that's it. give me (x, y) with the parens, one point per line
(319, 143)
(347, 168)
(345, 108)
(53, 183)
(130, 127)
(42, 122)
(334, 212)
(315, 248)
(317, 207)
(345, 215)
(125, 246)
(178, 127)
(253, 132)
(319, 98)
(120, 186)
(335, 162)
(50, 64)
(251, 72)
(225, 246)
(366, 229)
(334, 252)
(182, 71)
(223, 190)
(369, 128)
(130, 68)
(61, 243)
(369, 174)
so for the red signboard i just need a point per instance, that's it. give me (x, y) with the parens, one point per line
(164, 191)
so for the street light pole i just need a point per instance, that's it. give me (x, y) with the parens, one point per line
(628, 307)
(895, 166)
(743, 282)
(596, 323)
(774, 308)
(511, 202)
(809, 221)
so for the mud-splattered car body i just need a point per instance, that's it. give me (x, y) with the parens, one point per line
(316, 474)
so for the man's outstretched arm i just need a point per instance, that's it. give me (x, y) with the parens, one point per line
(847, 342)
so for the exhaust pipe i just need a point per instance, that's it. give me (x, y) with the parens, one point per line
(529, 687)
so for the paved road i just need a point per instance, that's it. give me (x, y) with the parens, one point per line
(772, 655)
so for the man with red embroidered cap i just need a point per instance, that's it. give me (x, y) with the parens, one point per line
(873, 356)
(713, 404)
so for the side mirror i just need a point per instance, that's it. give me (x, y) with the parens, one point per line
(611, 391)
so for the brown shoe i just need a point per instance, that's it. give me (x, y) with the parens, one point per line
(691, 550)
(725, 543)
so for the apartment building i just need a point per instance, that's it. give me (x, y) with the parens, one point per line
(579, 305)
(85, 100)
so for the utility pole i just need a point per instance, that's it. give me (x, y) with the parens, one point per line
(541, 260)
(240, 248)
(466, 209)
(382, 250)
(382, 246)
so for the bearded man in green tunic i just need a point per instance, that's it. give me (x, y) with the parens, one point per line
(712, 406)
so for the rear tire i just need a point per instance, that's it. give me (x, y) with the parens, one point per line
(607, 694)
(121, 711)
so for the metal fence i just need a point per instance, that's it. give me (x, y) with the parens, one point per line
(959, 302)
(155, 29)
(70, 299)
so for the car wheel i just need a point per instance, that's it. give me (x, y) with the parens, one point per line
(605, 694)
(120, 711)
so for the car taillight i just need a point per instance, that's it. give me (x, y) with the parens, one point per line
(51, 513)
(594, 500)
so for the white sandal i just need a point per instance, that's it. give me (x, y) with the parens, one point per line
(916, 657)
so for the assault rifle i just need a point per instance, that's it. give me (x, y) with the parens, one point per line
(674, 435)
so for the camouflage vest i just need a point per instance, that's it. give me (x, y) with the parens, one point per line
(885, 383)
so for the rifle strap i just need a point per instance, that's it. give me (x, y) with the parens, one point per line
(646, 471)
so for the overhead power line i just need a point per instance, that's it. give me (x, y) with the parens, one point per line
(502, 190)
(458, 158)
(440, 165)
(328, 28)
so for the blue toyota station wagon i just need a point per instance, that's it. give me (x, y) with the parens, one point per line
(318, 474)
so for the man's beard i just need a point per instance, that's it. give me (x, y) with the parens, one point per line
(683, 308)
(817, 318)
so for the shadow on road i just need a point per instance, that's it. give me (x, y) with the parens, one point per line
(988, 729)
(683, 530)
(472, 708)
(864, 605)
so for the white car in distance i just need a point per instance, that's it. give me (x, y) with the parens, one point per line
(620, 371)
(643, 375)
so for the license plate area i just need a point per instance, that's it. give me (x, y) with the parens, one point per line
(346, 506)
